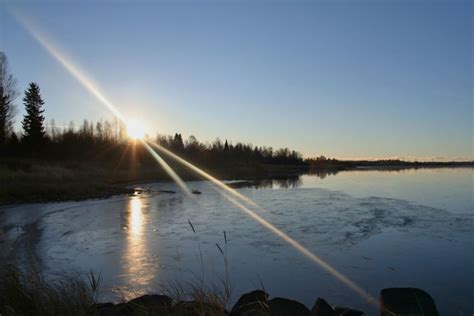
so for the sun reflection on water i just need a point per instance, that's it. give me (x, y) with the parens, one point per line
(135, 221)
(139, 268)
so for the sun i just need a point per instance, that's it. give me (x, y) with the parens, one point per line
(135, 129)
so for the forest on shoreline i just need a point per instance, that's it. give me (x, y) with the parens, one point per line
(107, 143)
(44, 161)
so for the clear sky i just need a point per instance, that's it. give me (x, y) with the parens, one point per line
(346, 79)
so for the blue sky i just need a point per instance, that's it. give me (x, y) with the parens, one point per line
(344, 79)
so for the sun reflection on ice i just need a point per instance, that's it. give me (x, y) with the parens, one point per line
(139, 268)
(135, 221)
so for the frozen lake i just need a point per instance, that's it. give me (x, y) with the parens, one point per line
(379, 228)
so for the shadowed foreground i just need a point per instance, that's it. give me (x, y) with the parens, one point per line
(28, 293)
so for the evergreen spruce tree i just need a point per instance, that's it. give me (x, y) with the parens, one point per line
(33, 121)
(226, 146)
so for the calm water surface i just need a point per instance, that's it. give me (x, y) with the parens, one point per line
(381, 229)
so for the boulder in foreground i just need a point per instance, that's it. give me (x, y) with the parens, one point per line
(146, 304)
(406, 301)
(347, 311)
(254, 303)
(198, 308)
(285, 307)
(322, 308)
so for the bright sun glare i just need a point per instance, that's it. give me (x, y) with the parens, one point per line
(135, 129)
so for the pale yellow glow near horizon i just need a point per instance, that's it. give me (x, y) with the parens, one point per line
(135, 129)
(136, 220)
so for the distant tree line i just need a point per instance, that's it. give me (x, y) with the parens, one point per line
(331, 164)
(106, 140)
(226, 152)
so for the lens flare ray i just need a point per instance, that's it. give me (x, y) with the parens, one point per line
(310, 255)
(205, 175)
(226, 190)
(67, 64)
(168, 170)
(88, 84)
(292, 242)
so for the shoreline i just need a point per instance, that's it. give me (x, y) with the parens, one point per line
(45, 182)
(465, 173)
(40, 181)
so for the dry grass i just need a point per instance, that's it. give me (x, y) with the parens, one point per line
(45, 182)
(34, 180)
(215, 294)
(27, 292)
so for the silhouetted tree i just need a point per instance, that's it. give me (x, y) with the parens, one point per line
(226, 146)
(52, 130)
(217, 146)
(122, 131)
(33, 121)
(71, 127)
(99, 131)
(13, 140)
(8, 94)
(178, 144)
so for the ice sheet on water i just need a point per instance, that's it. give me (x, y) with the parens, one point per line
(377, 241)
(337, 219)
(315, 217)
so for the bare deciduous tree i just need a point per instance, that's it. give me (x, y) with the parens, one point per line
(8, 94)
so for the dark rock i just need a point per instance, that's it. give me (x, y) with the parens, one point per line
(346, 311)
(103, 309)
(124, 309)
(240, 184)
(138, 190)
(322, 308)
(166, 191)
(406, 301)
(146, 304)
(196, 192)
(285, 307)
(254, 303)
(197, 308)
(155, 299)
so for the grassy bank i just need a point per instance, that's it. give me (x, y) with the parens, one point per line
(28, 181)
(29, 293)
(44, 181)
(36, 180)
